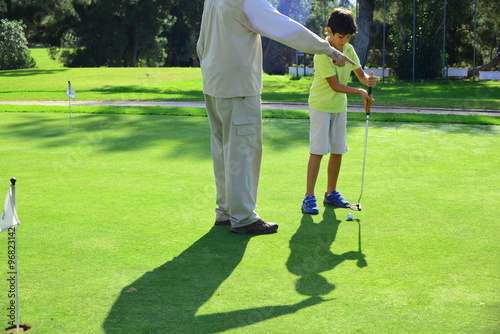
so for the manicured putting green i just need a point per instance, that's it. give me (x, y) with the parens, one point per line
(117, 234)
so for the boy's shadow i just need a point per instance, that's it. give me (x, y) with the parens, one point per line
(311, 253)
(167, 299)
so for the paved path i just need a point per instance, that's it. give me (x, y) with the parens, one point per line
(265, 106)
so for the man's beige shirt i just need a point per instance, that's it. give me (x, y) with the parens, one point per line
(229, 46)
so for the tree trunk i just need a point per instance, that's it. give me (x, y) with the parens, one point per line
(131, 52)
(492, 63)
(8, 6)
(135, 49)
(364, 22)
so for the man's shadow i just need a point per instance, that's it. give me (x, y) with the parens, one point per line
(167, 299)
(311, 253)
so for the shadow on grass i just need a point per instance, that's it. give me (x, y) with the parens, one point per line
(311, 253)
(167, 299)
(30, 72)
(181, 136)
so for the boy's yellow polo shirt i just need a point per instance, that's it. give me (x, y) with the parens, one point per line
(321, 96)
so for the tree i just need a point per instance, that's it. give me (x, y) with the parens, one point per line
(34, 14)
(459, 42)
(460, 34)
(364, 22)
(488, 66)
(119, 33)
(489, 28)
(157, 32)
(313, 14)
(129, 33)
(184, 20)
(14, 52)
(276, 55)
(427, 42)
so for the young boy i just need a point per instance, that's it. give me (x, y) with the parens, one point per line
(327, 109)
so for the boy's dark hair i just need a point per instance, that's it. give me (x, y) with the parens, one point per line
(342, 21)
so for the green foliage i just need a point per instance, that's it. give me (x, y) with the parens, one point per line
(123, 33)
(459, 43)
(181, 32)
(460, 32)
(426, 45)
(14, 51)
(488, 31)
(168, 32)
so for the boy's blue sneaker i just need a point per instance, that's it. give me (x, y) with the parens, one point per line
(309, 205)
(336, 199)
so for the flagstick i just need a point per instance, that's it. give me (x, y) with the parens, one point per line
(71, 95)
(18, 320)
(70, 118)
(16, 272)
(9, 221)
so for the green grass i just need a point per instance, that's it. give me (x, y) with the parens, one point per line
(184, 84)
(43, 59)
(101, 84)
(281, 114)
(117, 235)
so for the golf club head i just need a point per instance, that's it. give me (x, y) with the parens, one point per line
(355, 207)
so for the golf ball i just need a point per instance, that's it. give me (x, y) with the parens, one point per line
(349, 216)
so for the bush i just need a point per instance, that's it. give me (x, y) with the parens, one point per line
(14, 52)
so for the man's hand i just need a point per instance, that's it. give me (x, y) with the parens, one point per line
(339, 58)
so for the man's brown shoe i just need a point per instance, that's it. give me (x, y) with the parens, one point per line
(259, 227)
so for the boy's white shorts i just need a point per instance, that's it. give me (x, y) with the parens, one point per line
(328, 132)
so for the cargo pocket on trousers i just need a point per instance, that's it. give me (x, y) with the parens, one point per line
(246, 129)
(246, 116)
(246, 125)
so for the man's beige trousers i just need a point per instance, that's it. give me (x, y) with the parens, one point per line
(236, 140)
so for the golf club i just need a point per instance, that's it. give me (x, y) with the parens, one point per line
(357, 206)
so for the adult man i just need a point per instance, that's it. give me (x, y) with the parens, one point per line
(230, 53)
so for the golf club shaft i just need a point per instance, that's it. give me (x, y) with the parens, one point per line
(364, 159)
(367, 110)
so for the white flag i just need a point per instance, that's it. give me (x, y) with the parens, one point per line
(9, 214)
(70, 92)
